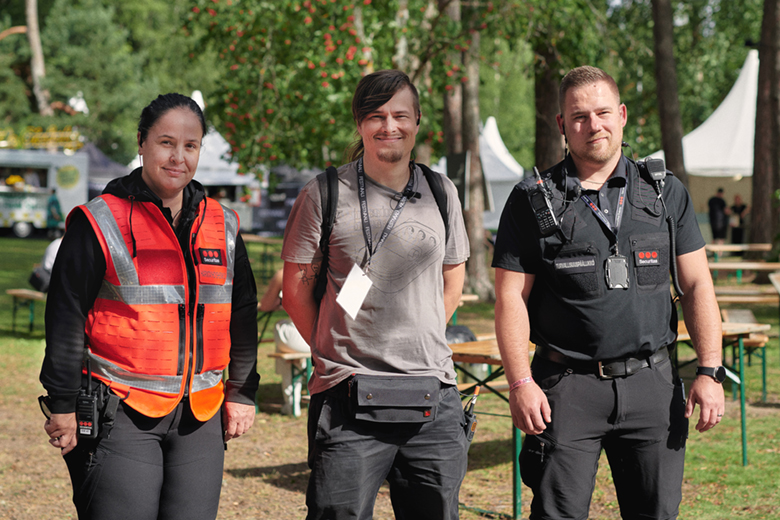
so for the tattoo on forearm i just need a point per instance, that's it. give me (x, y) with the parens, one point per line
(309, 273)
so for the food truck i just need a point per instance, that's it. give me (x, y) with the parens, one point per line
(27, 178)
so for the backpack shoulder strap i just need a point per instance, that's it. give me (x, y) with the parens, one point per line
(329, 198)
(439, 194)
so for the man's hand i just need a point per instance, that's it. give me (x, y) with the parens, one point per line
(708, 394)
(530, 409)
(237, 418)
(61, 429)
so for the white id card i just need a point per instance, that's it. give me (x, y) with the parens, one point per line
(354, 291)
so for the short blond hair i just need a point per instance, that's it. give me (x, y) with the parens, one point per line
(581, 76)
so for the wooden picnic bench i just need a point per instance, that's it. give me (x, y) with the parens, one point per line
(25, 298)
(715, 267)
(717, 249)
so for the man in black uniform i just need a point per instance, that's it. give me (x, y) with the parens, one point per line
(592, 292)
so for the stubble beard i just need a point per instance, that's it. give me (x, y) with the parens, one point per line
(598, 156)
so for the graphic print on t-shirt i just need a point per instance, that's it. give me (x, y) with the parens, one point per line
(410, 249)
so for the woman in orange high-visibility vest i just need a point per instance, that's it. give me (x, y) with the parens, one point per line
(151, 300)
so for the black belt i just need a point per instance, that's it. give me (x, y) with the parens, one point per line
(607, 369)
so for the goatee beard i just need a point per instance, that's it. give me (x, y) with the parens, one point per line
(390, 156)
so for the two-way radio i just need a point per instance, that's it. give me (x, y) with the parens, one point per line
(540, 198)
(87, 408)
(655, 169)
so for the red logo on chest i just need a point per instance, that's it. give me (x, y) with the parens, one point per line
(210, 256)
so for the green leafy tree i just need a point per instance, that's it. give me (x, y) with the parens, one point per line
(87, 52)
(709, 45)
(165, 49)
(291, 68)
(14, 104)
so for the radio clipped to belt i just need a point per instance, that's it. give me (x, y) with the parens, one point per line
(96, 407)
(394, 399)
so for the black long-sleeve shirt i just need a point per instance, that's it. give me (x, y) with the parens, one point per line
(78, 275)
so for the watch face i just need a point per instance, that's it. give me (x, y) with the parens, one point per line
(720, 374)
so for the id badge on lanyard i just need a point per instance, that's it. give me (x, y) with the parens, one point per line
(355, 289)
(616, 266)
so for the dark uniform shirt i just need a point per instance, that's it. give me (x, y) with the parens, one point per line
(570, 307)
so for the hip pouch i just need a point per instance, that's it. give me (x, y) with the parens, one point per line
(394, 399)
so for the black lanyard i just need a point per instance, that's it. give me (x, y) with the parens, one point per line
(603, 218)
(365, 221)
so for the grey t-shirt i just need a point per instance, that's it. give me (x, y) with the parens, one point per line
(400, 326)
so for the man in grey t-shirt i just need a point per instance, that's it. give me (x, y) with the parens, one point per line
(394, 280)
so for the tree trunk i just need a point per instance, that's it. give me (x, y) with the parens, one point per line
(368, 68)
(453, 98)
(775, 110)
(401, 57)
(37, 65)
(477, 281)
(549, 142)
(766, 137)
(666, 79)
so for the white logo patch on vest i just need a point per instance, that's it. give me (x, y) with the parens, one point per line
(211, 256)
(647, 257)
(575, 265)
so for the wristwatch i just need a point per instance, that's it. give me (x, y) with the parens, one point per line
(716, 373)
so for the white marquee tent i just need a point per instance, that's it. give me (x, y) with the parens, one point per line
(500, 169)
(722, 146)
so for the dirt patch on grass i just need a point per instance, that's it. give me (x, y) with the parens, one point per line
(265, 473)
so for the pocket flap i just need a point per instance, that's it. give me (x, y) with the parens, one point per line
(398, 392)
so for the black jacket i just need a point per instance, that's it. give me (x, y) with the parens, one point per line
(78, 275)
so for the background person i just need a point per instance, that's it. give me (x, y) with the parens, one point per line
(153, 291)
(719, 212)
(41, 275)
(53, 215)
(594, 298)
(739, 211)
(396, 338)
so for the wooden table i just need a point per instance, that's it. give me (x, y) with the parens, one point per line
(733, 333)
(486, 351)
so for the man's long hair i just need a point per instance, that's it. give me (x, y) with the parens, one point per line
(373, 91)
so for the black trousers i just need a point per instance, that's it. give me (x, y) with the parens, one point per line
(168, 468)
(637, 420)
(350, 459)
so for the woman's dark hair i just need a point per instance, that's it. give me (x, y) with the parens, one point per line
(373, 91)
(160, 106)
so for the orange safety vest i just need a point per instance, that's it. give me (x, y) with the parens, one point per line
(149, 338)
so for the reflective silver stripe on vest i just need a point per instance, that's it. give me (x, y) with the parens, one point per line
(215, 294)
(231, 231)
(123, 262)
(223, 294)
(153, 383)
(142, 294)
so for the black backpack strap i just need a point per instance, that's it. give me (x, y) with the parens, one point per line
(439, 195)
(329, 198)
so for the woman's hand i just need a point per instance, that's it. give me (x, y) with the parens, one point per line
(61, 429)
(237, 418)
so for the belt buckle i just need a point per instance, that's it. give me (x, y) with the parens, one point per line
(602, 375)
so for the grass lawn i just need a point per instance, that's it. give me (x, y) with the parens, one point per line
(265, 471)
